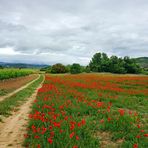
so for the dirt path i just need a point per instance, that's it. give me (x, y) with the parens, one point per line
(17, 90)
(13, 129)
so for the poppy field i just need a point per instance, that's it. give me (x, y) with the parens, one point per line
(89, 111)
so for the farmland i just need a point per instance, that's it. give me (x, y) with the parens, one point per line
(9, 85)
(14, 73)
(89, 111)
(17, 99)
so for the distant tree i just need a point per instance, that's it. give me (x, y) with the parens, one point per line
(87, 69)
(95, 63)
(131, 66)
(116, 65)
(83, 68)
(46, 69)
(104, 63)
(75, 68)
(58, 68)
(1, 67)
(101, 63)
(68, 67)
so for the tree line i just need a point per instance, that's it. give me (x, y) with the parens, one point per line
(100, 62)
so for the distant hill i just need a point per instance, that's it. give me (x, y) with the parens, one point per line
(142, 61)
(22, 65)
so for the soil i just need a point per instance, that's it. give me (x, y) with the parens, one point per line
(106, 142)
(17, 84)
(13, 128)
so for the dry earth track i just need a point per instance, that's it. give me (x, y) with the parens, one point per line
(17, 90)
(13, 128)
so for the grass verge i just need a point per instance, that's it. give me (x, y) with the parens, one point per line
(7, 105)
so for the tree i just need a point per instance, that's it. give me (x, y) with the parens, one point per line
(95, 63)
(58, 68)
(1, 67)
(75, 68)
(46, 69)
(104, 63)
(101, 63)
(68, 67)
(116, 65)
(87, 69)
(131, 66)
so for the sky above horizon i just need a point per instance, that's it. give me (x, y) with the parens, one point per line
(71, 31)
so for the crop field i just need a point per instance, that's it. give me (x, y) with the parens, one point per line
(14, 73)
(89, 111)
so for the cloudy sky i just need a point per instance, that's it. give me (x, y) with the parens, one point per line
(68, 31)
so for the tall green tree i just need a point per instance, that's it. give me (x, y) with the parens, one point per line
(75, 68)
(102, 63)
(95, 63)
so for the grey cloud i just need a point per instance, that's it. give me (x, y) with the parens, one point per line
(74, 28)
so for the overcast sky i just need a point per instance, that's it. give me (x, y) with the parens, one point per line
(68, 31)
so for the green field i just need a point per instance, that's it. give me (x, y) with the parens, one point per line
(10, 103)
(90, 111)
(14, 73)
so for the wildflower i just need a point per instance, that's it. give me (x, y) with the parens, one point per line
(102, 121)
(77, 138)
(50, 140)
(145, 135)
(100, 104)
(141, 131)
(36, 137)
(138, 136)
(75, 146)
(52, 134)
(66, 118)
(72, 127)
(121, 111)
(26, 135)
(130, 112)
(79, 124)
(83, 122)
(109, 119)
(135, 146)
(57, 124)
(72, 134)
(50, 127)
(61, 131)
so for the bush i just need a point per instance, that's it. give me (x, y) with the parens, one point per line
(100, 62)
(75, 68)
(58, 68)
(87, 69)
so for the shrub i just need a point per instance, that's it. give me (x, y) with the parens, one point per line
(75, 68)
(58, 68)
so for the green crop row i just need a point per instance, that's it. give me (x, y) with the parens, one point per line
(14, 73)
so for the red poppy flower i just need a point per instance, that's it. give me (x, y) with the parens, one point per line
(50, 140)
(72, 134)
(145, 135)
(121, 111)
(75, 146)
(135, 146)
(77, 138)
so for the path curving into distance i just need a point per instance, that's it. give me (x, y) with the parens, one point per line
(19, 89)
(13, 128)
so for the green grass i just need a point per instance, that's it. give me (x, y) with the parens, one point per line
(77, 97)
(3, 92)
(7, 105)
(14, 73)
